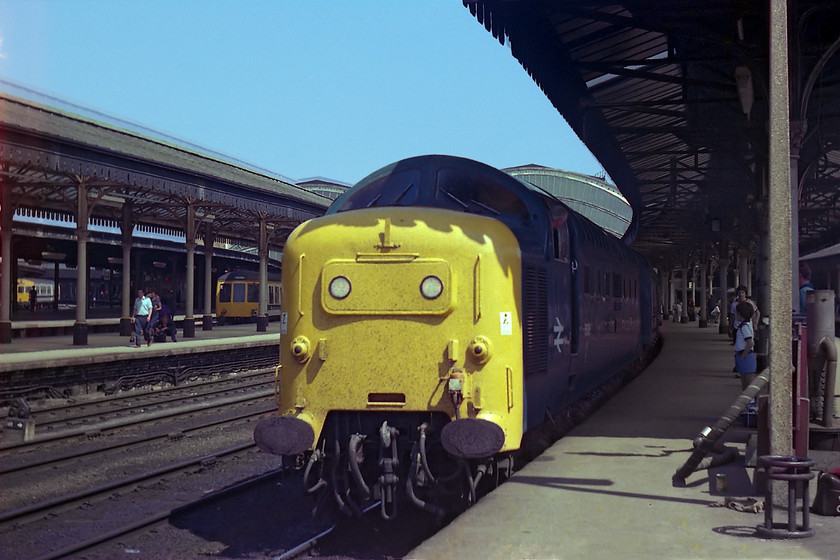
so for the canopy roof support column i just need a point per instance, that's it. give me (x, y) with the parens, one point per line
(684, 315)
(782, 263)
(127, 229)
(262, 315)
(693, 299)
(207, 320)
(80, 333)
(189, 320)
(723, 269)
(6, 216)
(744, 271)
(704, 292)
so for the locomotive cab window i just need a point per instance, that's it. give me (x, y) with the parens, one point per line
(224, 292)
(559, 225)
(239, 292)
(392, 188)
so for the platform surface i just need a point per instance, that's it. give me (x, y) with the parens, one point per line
(604, 490)
(43, 351)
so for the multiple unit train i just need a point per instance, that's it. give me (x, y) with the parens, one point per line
(438, 313)
(238, 296)
(44, 292)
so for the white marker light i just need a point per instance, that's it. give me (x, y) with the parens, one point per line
(340, 287)
(431, 287)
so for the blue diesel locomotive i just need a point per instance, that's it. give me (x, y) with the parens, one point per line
(440, 312)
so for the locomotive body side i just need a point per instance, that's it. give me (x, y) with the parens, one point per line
(378, 344)
(608, 278)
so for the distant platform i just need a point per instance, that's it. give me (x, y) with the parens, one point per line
(48, 351)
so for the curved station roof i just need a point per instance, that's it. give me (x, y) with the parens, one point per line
(671, 96)
(589, 196)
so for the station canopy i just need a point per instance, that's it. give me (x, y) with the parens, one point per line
(46, 153)
(671, 96)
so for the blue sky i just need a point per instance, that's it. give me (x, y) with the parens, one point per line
(317, 88)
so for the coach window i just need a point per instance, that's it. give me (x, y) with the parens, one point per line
(618, 285)
(224, 292)
(239, 292)
(587, 280)
(253, 293)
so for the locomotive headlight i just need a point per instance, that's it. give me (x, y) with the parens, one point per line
(480, 350)
(301, 349)
(340, 287)
(431, 287)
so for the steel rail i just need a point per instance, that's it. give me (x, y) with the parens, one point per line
(150, 520)
(112, 447)
(112, 425)
(145, 405)
(122, 483)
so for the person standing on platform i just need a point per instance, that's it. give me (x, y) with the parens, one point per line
(33, 298)
(142, 315)
(745, 359)
(741, 297)
(805, 285)
(156, 307)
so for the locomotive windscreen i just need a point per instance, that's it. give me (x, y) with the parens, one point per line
(447, 182)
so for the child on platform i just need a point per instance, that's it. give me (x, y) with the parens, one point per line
(745, 360)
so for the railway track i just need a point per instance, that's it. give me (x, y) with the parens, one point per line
(131, 402)
(103, 511)
(232, 501)
(93, 419)
(100, 453)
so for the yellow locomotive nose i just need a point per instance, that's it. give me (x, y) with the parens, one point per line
(301, 349)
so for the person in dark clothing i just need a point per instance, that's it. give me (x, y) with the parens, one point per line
(164, 328)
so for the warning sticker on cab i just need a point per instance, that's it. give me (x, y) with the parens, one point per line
(506, 323)
(284, 322)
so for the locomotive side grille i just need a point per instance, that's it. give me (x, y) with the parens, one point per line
(535, 324)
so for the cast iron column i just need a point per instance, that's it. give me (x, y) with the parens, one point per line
(6, 216)
(80, 333)
(127, 229)
(207, 320)
(723, 266)
(262, 315)
(704, 293)
(189, 320)
(783, 259)
(684, 317)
